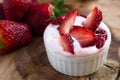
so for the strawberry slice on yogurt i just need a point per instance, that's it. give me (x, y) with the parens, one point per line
(64, 29)
(67, 43)
(68, 22)
(93, 19)
(83, 35)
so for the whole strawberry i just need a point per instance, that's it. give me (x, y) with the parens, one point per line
(34, 2)
(15, 9)
(2, 14)
(40, 15)
(37, 17)
(13, 35)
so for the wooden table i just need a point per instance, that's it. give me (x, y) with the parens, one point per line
(26, 70)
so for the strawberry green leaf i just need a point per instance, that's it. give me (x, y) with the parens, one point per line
(57, 9)
(57, 12)
(59, 3)
(1, 47)
(51, 17)
(64, 11)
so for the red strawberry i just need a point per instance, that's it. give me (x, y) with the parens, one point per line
(58, 20)
(34, 1)
(83, 35)
(82, 15)
(40, 15)
(13, 35)
(67, 43)
(37, 17)
(2, 14)
(101, 37)
(68, 22)
(15, 9)
(93, 19)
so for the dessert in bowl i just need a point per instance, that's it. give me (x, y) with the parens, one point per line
(79, 45)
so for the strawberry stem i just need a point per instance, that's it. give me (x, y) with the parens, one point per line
(57, 10)
(58, 3)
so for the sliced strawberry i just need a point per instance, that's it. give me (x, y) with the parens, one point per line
(84, 36)
(101, 37)
(34, 1)
(82, 15)
(67, 43)
(57, 21)
(93, 19)
(68, 22)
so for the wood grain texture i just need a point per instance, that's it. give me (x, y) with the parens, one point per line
(34, 67)
(32, 64)
(7, 68)
(108, 72)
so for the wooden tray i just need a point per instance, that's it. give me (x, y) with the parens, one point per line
(32, 64)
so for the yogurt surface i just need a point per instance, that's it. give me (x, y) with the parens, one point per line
(51, 39)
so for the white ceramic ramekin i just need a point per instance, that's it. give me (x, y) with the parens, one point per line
(78, 65)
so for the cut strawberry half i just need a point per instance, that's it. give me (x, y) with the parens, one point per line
(67, 43)
(93, 19)
(83, 35)
(101, 37)
(68, 22)
(82, 15)
(57, 20)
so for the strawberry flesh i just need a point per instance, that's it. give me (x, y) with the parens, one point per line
(83, 35)
(57, 21)
(93, 19)
(34, 2)
(67, 43)
(82, 15)
(13, 35)
(67, 24)
(101, 37)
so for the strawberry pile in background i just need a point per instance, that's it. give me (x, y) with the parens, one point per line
(22, 19)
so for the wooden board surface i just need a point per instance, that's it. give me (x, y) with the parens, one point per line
(32, 65)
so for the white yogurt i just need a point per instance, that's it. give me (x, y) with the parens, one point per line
(51, 39)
